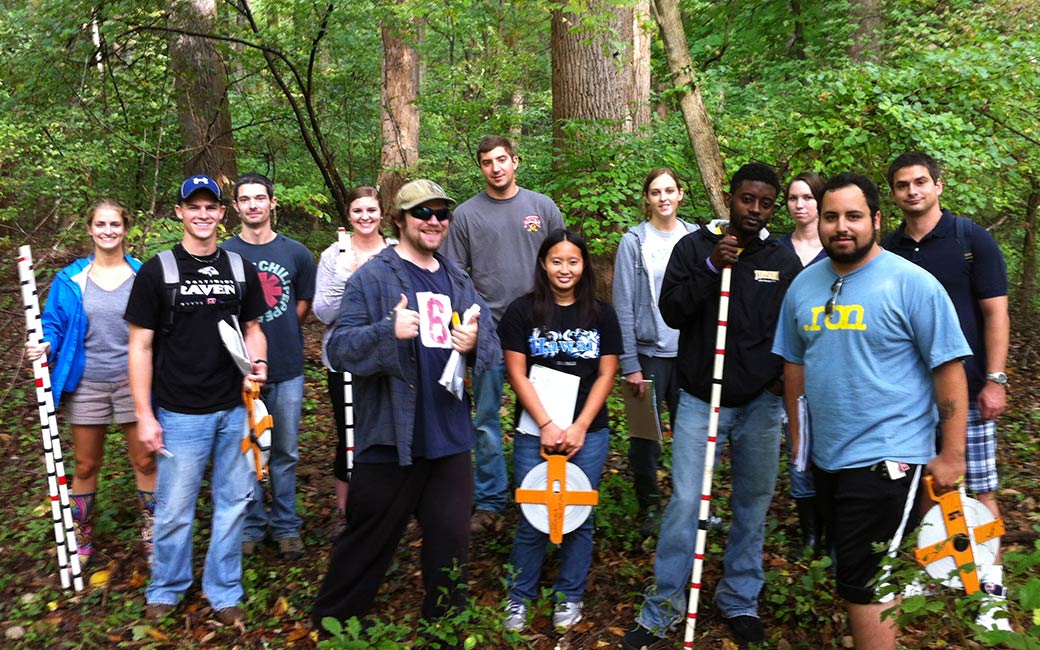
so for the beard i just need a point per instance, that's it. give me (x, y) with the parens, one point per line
(850, 257)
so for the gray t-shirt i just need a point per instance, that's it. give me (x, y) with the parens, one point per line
(108, 335)
(497, 242)
(657, 249)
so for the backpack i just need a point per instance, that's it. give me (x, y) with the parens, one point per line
(962, 227)
(172, 280)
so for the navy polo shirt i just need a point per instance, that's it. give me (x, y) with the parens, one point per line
(942, 255)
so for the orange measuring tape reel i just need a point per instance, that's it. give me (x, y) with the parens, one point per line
(561, 489)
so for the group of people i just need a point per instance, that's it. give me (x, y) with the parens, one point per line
(885, 353)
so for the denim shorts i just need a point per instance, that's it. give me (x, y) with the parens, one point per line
(97, 402)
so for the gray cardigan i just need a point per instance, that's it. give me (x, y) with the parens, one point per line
(634, 297)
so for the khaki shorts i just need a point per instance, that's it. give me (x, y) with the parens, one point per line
(97, 402)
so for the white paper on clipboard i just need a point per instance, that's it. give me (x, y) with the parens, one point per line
(558, 393)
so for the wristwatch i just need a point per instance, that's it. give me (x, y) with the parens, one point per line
(997, 378)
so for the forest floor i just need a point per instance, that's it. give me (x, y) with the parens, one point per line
(797, 604)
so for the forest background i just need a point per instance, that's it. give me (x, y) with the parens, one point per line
(124, 98)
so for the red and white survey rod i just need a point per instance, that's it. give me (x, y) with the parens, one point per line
(709, 458)
(57, 487)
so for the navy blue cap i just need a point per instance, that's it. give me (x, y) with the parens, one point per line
(199, 182)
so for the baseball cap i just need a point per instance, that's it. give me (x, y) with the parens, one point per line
(420, 191)
(199, 182)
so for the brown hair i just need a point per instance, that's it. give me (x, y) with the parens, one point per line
(812, 179)
(490, 142)
(117, 207)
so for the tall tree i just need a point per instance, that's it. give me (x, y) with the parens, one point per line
(866, 19)
(400, 106)
(200, 88)
(695, 114)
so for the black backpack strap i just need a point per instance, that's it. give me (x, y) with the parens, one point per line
(238, 271)
(962, 227)
(171, 279)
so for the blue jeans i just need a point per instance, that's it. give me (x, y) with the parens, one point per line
(754, 435)
(283, 400)
(530, 543)
(194, 440)
(490, 480)
(802, 484)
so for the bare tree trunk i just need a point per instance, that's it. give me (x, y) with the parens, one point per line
(1027, 281)
(639, 95)
(400, 113)
(866, 18)
(796, 44)
(588, 77)
(200, 89)
(698, 124)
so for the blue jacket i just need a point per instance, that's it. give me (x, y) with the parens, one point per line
(384, 368)
(65, 325)
(634, 298)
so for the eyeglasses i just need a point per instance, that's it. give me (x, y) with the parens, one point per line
(423, 213)
(835, 292)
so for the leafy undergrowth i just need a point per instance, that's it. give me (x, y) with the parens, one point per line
(798, 606)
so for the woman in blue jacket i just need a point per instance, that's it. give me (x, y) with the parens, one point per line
(85, 337)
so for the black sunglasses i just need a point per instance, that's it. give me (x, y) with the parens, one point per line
(835, 292)
(423, 213)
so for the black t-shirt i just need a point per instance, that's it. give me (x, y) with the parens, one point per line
(192, 372)
(568, 346)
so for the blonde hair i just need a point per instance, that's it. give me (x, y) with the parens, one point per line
(110, 204)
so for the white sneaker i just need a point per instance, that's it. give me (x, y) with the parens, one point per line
(565, 615)
(516, 616)
(993, 614)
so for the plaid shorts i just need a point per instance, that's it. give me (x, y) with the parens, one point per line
(981, 455)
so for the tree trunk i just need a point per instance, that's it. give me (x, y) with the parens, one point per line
(698, 124)
(200, 90)
(866, 18)
(639, 94)
(1027, 281)
(400, 98)
(589, 80)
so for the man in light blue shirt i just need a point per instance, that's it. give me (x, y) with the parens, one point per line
(874, 345)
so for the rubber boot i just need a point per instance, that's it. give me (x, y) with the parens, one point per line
(146, 502)
(809, 523)
(82, 518)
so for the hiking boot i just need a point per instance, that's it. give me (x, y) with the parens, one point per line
(291, 548)
(746, 629)
(338, 525)
(232, 616)
(249, 546)
(651, 522)
(565, 615)
(639, 638)
(483, 521)
(158, 611)
(516, 616)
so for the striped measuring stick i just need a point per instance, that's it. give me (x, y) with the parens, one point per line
(709, 458)
(348, 385)
(57, 486)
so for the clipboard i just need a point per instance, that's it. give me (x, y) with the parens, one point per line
(558, 393)
(644, 421)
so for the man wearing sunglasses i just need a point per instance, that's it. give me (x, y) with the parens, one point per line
(413, 438)
(495, 237)
(873, 343)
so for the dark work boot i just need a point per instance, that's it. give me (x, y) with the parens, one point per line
(809, 523)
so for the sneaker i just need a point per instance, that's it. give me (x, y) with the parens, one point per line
(746, 629)
(651, 522)
(291, 548)
(993, 613)
(483, 521)
(516, 616)
(639, 638)
(157, 611)
(232, 616)
(85, 542)
(249, 546)
(565, 615)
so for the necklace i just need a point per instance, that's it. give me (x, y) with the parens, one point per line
(205, 260)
